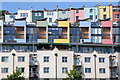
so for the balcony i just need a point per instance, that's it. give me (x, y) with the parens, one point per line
(33, 74)
(114, 75)
(33, 63)
(78, 64)
(113, 64)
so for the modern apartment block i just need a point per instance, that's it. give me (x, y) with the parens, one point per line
(45, 43)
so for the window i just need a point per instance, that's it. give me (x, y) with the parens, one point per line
(63, 12)
(104, 9)
(4, 70)
(50, 19)
(77, 11)
(117, 16)
(46, 59)
(90, 10)
(101, 60)
(38, 14)
(21, 59)
(77, 17)
(4, 59)
(46, 69)
(24, 14)
(21, 69)
(64, 59)
(104, 16)
(87, 70)
(87, 59)
(64, 69)
(101, 70)
(91, 17)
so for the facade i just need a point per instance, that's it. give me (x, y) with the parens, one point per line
(92, 13)
(64, 13)
(52, 15)
(9, 17)
(25, 14)
(37, 15)
(105, 12)
(46, 42)
(76, 14)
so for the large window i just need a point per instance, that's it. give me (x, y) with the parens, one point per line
(101, 70)
(46, 59)
(87, 70)
(117, 16)
(64, 59)
(4, 59)
(21, 59)
(24, 14)
(64, 69)
(87, 59)
(46, 69)
(4, 70)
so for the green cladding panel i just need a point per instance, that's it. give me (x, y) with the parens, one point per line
(34, 16)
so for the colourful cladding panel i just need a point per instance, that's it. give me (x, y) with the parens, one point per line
(114, 18)
(34, 16)
(73, 15)
(61, 41)
(106, 23)
(105, 10)
(91, 11)
(64, 24)
(107, 41)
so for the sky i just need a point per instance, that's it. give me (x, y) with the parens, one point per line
(13, 6)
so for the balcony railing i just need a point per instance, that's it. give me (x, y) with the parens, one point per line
(113, 64)
(78, 64)
(33, 63)
(114, 75)
(34, 74)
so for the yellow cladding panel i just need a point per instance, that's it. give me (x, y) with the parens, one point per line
(61, 41)
(108, 12)
(63, 24)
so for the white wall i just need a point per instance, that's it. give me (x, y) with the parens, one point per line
(29, 18)
(9, 64)
(8, 19)
(91, 65)
(51, 63)
(54, 16)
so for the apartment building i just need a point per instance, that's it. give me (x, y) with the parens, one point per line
(82, 36)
